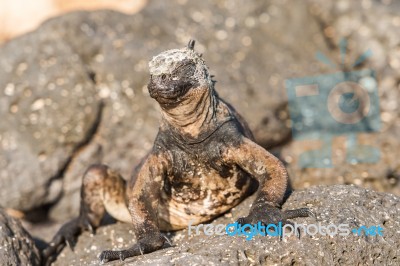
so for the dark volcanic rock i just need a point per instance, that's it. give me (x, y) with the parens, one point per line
(48, 107)
(16, 245)
(339, 204)
(54, 127)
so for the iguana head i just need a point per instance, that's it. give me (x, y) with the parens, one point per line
(176, 74)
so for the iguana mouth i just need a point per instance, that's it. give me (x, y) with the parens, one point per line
(171, 91)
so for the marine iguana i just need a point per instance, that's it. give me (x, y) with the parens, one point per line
(204, 162)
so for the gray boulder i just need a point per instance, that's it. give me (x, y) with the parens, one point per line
(336, 205)
(16, 245)
(49, 111)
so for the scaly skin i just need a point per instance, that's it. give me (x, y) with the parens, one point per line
(204, 162)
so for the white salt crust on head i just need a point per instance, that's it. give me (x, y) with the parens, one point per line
(166, 62)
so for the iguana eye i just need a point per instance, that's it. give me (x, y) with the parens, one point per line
(163, 77)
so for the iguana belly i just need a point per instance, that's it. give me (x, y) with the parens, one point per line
(207, 196)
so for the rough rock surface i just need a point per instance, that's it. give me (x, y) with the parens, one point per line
(16, 245)
(42, 126)
(340, 204)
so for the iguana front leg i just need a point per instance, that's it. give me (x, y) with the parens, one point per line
(273, 183)
(143, 197)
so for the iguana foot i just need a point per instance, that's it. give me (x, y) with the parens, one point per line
(144, 245)
(66, 235)
(268, 214)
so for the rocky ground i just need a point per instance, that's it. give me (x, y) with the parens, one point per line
(338, 204)
(74, 93)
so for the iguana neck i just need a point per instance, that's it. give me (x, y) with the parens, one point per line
(195, 117)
